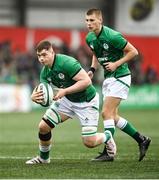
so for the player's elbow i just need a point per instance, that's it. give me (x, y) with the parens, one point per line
(88, 81)
(85, 83)
(135, 52)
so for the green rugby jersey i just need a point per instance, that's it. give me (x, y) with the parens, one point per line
(108, 47)
(64, 68)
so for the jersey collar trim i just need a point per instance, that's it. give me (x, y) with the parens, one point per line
(53, 61)
(100, 32)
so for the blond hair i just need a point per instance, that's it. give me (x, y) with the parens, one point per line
(95, 11)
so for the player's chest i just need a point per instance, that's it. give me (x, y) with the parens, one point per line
(101, 47)
(100, 44)
(58, 78)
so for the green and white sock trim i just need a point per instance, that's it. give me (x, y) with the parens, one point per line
(44, 151)
(121, 123)
(44, 148)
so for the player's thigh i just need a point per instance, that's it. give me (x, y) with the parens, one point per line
(57, 113)
(111, 103)
(88, 116)
(64, 117)
(88, 112)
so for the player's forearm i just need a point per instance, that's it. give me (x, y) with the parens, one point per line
(94, 62)
(78, 86)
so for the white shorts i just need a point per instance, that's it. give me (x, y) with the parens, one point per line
(86, 112)
(116, 87)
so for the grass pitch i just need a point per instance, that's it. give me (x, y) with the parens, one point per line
(69, 158)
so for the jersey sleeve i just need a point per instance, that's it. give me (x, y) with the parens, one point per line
(72, 67)
(43, 76)
(118, 41)
(88, 40)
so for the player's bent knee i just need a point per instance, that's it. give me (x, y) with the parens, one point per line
(89, 136)
(89, 142)
(51, 118)
(43, 127)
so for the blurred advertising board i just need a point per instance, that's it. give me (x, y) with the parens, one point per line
(146, 96)
(73, 39)
(140, 97)
(27, 38)
(137, 17)
(14, 98)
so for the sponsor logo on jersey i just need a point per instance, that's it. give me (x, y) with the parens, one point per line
(61, 75)
(102, 59)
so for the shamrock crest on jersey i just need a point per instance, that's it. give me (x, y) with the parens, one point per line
(105, 46)
(61, 76)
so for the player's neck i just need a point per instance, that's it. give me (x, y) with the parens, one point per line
(52, 61)
(98, 31)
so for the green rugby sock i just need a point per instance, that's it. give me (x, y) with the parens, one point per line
(129, 129)
(44, 151)
(44, 155)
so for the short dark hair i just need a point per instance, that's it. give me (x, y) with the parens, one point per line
(94, 11)
(44, 44)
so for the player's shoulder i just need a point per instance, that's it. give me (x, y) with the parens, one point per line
(64, 58)
(109, 31)
(44, 69)
(61, 59)
(65, 61)
(44, 72)
(111, 34)
(90, 36)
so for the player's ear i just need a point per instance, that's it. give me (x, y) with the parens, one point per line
(101, 20)
(51, 50)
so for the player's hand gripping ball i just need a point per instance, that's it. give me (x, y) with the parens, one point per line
(48, 93)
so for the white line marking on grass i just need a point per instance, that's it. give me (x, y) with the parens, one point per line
(23, 158)
(14, 157)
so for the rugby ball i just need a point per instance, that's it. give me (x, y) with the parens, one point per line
(48, 93)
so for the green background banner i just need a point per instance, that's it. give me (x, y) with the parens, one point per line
(140, 97)
(146, 96)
